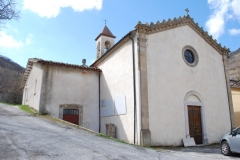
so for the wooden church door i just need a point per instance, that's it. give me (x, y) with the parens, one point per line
(195, 123)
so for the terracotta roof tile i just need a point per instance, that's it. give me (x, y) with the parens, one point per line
(44, 62)
(106, 32)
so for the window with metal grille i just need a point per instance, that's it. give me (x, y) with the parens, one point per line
(71, 111)
(189, 56)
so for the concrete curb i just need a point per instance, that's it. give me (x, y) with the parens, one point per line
(86, 129)
(83, 128)
(54, 118)
(71, 124)
(77, 126)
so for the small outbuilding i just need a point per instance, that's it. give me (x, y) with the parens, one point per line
(64, 91)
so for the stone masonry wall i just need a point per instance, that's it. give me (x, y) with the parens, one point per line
(234, 65)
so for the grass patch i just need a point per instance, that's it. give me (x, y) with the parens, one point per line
(151, 147)
(108, 137)
(22, 107)
(104, 136)
(121, 141)
(26, 109)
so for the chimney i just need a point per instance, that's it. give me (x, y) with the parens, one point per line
(84, 62)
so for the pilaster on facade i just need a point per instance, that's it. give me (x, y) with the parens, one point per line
(225, 64)
(145, 132)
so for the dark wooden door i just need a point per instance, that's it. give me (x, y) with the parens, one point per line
(195, 123)
(71, 115)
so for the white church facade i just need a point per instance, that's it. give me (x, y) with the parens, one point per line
(159, 84)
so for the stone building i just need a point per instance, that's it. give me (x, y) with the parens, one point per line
(156, 85)
(235, 89)
(234, 65)
(63, 90)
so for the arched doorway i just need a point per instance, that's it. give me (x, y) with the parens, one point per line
(195, 117)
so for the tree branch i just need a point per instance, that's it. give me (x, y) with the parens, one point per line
(8, 11)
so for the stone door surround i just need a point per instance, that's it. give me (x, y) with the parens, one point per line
(191, 103)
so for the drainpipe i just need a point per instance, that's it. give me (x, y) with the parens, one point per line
(229, 105)
(99, 102)
(134, 85)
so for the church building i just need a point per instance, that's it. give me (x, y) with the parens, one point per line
(161, 83)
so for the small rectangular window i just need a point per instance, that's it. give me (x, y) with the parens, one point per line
(26, 94)
(70, 111)
(35, 87)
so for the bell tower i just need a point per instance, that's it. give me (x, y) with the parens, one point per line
(105, 40)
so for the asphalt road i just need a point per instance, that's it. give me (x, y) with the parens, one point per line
(23, 136)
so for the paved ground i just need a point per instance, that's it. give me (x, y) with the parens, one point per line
(204, 152)
(23, 136)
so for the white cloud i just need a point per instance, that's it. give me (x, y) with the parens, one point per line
(8, 41)
(223, 10)
(29, 39)
(234, 31)
(235, 6)
(215, 24)
(51, 8)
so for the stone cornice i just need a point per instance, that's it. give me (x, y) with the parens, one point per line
(178, 22)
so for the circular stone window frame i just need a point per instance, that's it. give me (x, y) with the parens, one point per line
(195, 56)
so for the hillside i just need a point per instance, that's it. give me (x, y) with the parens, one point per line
(11, 75)
(8, 63)
(234, 65)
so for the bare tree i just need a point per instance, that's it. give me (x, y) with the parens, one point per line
(10, 80)
(8, 10)
(3, 79)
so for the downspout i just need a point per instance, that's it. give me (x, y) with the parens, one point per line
(227, 91)
(134, 85)
(99, 102)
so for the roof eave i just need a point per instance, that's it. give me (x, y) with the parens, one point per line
(101, 34)
(129, 34)
(40, 61)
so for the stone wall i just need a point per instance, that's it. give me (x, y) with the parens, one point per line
(32, 89)
(63, 86)
(234, 65)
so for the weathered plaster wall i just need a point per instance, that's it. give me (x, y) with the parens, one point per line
(170, 79)
(32, 98)
(236, 105)
(117, 79)
(62, 85)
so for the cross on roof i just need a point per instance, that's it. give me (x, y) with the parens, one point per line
(187, 11)
(105, 21)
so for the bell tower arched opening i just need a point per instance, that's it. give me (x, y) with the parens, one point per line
(107, 46)
(104, 41)
(98, 50)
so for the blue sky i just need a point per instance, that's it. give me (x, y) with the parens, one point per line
(65, 30)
